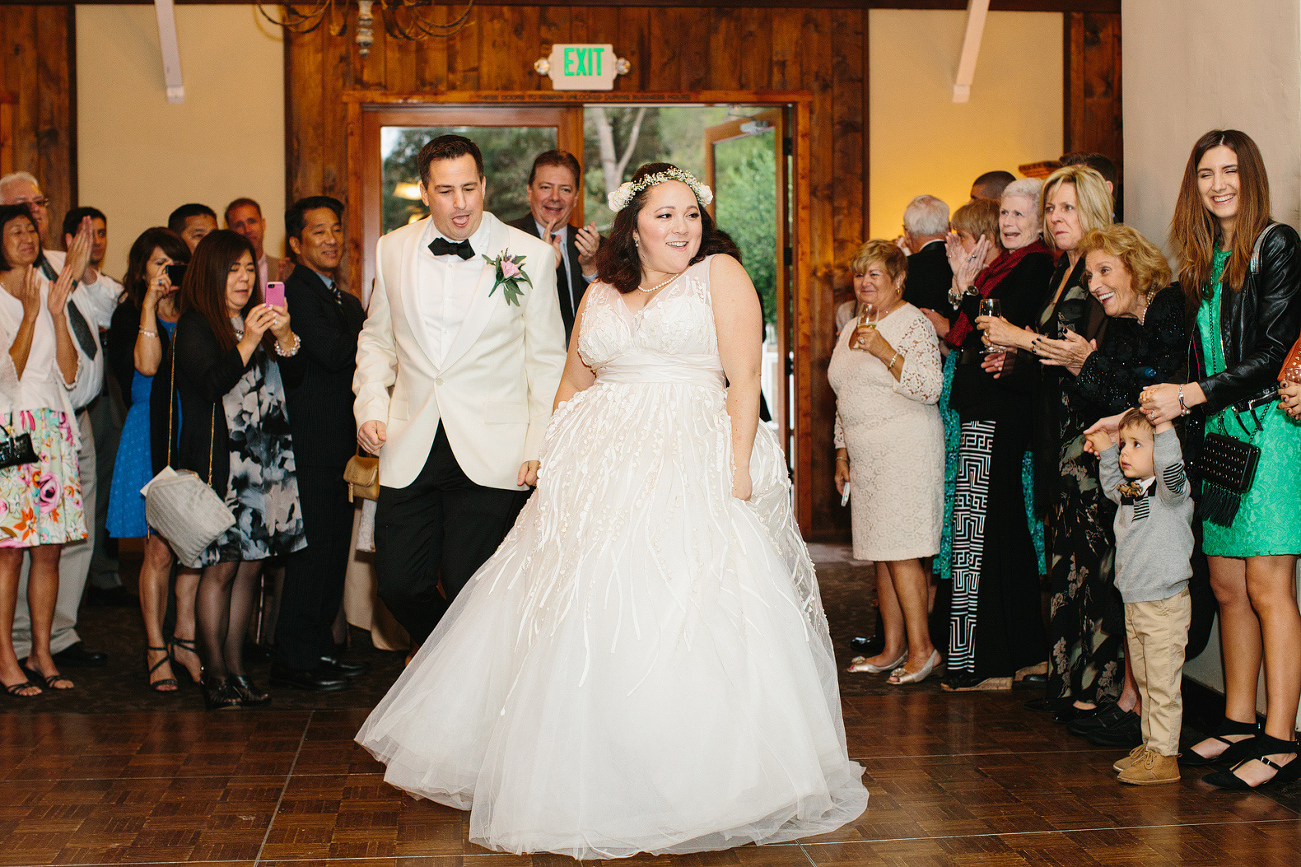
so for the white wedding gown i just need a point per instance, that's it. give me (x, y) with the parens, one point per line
(644, 664)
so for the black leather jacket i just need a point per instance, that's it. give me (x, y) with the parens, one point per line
(1258, 325)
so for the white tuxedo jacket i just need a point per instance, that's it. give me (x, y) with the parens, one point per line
(494, 389)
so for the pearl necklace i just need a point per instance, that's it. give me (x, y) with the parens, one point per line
(660, 286)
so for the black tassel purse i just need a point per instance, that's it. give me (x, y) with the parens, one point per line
(1227, 467)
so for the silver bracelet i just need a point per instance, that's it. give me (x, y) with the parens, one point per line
(1183, 407)
(298, 342)
(148, 333)
(890, 366)
(842, 458)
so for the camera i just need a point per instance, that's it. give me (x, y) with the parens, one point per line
(175, 274)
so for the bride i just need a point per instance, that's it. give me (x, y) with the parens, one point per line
(644, 664)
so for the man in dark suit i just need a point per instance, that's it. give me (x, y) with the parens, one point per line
(925, 226)
(554, 187)
(327, 319)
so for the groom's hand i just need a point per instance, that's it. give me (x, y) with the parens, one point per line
(528, 474)
(371, 436)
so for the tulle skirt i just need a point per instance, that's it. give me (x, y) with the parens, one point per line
(644, 664)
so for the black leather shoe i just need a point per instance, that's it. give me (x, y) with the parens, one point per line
(1031, 681)
(336, 667)
(315, 680)
(80, 656)
(1125, 734)
(1107, 716)
(249, 693)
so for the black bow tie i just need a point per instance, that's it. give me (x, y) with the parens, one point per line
(444, 247)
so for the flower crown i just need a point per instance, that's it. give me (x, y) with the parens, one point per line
(620, 198)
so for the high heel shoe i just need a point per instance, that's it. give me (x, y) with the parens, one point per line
(1234, 751)
(860, 663)
(220, 694)
(163, 684)
(1264, 746)
(901, 675)
(249, 694)
(187, 645)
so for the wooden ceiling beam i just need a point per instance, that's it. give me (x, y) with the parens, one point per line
(995, 5)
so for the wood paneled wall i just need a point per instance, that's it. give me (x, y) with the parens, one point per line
(1092, 119)
(37, 66)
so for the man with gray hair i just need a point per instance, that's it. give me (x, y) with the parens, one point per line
(925, 226)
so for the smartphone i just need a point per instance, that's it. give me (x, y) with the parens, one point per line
(275, 294)
(175, 274)
(844, 498)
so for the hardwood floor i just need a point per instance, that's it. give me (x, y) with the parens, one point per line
(955, 778)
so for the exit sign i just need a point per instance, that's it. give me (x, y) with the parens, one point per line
(581, 67)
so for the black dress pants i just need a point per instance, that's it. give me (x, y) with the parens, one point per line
(439, 529)
(314, 576)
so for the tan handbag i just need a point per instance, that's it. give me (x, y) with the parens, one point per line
(362, 476)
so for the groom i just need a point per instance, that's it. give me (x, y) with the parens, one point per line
(457, 366)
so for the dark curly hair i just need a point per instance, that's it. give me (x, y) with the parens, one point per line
(618, 262)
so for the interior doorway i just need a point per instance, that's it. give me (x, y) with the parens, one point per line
(743, 148)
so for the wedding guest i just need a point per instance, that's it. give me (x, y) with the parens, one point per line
(40, 498)
(1242, 274)
(925, 230)
(996, 630)
(234, 357)
(990, 185)
(139, 339)
(244, 217)
(890, 452)
(192, 222)
(328, 319)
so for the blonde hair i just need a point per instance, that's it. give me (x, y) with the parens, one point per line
(885, 252)
(1147, 266)
(1092, 201)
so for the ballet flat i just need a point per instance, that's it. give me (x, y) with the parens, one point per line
(860, 663)
(901, 675)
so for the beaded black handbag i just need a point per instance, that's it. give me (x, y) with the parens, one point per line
(16, 450)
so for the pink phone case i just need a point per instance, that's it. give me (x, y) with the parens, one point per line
(275, 294)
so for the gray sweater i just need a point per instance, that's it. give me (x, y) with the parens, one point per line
(1154, 534)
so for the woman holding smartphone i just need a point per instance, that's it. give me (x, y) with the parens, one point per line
(139, 337)
(1242, 274)
(233, 356)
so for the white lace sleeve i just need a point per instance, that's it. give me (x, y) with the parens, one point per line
(922, 376)
(839, 438)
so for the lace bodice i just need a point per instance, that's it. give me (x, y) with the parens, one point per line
(671, 339)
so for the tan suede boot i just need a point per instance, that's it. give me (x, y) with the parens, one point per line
(1151, 769)
(1134, 755)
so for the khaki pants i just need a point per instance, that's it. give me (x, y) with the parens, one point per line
(1157, 637)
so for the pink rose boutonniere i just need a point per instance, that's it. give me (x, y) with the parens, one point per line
(509, 276)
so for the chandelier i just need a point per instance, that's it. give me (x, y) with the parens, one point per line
(403, 19)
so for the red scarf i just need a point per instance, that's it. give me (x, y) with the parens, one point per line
(988, 279)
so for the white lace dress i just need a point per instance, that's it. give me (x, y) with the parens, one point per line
(644, 664)
(895, 439)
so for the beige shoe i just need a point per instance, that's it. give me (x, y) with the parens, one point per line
(1151, 769)
(1134, 755)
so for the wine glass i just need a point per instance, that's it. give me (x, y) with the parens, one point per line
(992, 308)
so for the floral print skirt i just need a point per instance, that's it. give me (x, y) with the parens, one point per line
(40, 503)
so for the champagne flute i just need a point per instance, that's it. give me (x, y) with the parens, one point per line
(866, 319)
(992, 308)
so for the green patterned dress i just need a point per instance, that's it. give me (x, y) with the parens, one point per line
(1269, 517)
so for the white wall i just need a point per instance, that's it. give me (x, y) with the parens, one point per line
(138, 157)
(924, 142)
(1175, 91)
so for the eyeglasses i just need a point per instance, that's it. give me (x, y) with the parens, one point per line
(38, 202)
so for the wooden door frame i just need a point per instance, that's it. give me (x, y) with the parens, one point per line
(359, 102)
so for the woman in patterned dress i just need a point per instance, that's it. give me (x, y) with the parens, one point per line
(40, 501)
(890, 450)
(1242, 273)
(230, 351)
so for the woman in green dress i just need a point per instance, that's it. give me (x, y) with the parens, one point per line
(1243, 275)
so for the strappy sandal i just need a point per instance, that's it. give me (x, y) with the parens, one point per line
(188, 645)
(165, 684)
(1264, 746)
(47, 680)
(16, 689)
(1234, 751)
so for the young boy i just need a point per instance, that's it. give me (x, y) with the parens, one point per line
(1154, 542)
